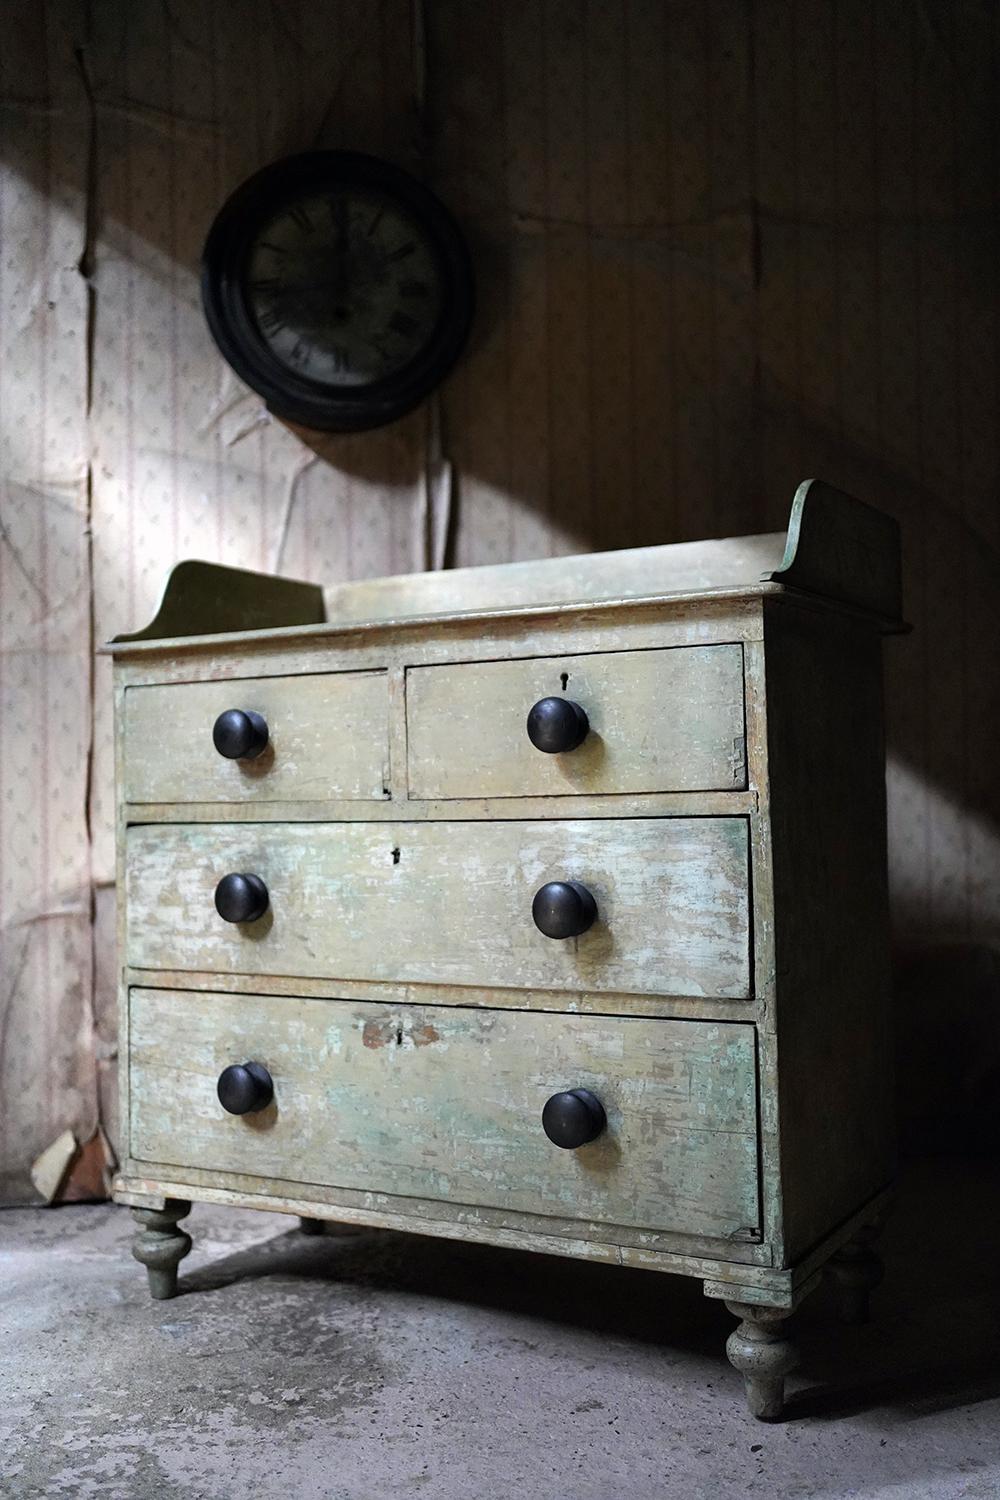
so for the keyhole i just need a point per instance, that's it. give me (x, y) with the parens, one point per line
(395, 856)
(564, 678)
(399, 1036)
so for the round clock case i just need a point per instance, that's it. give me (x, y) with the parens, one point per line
(338, 287)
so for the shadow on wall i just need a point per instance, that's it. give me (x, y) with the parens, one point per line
(714, 258)
(948, 1021)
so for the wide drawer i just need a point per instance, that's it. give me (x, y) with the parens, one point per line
(446, 1103)
(328, 738)
(660, 721)
(442, 902)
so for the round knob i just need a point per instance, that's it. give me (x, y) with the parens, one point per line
(240, 735)
(556, 725)
(574, 1118)
(241, 898)
(245, 1088)
(563, 909)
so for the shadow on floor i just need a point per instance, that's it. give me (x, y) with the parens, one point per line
(933, 1343)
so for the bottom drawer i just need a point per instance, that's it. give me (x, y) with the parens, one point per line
(446, 1103)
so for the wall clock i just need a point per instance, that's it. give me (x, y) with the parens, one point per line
(338, 287)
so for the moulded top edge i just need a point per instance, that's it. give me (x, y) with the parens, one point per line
(836, 548)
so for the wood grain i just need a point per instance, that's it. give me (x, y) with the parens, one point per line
(329, 737)
(447, 1103)
(660, 721)
(451, 902)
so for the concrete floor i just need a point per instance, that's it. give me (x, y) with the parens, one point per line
(366, 1365)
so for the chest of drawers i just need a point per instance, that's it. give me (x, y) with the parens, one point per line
(542, 905)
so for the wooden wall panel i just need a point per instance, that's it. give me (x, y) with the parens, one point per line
(721, 245)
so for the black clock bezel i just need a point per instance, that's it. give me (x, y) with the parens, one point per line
(297, 398)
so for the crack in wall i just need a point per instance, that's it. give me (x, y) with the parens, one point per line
(86, 266)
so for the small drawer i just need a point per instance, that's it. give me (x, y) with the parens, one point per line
(327, 738)
(445, 1103)
(659, 721)
(449, 903)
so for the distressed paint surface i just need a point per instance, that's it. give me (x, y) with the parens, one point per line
(602, 805)
(419, 929)
(328, 738)
(447, 1104)
(659, 721)
(451, 902)
(522, 631)
(579, 1002)
(632, 572)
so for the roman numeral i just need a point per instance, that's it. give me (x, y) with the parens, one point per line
(271, 321)
(413, 289)
(270, 286)
(402, 251)
(300, 218)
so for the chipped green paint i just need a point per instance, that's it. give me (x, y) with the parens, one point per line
(455, 906)
(440, 1102)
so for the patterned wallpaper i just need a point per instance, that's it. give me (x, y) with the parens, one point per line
(721, 246)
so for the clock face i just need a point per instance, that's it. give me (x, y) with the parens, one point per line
(338, 287)
(345, 286)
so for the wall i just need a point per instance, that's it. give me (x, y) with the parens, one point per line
(721, 245)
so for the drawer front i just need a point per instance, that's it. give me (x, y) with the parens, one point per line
(446, 1103)
(328, 737)
(451, 903)
(660, 721)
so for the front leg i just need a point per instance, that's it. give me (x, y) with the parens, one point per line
(160, 1246)
(762, 1353)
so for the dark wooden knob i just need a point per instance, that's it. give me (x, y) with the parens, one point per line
(245, 1088)
(241, 898)
(563, 909)
(574, 1118)
(239, 734)
(556, 725)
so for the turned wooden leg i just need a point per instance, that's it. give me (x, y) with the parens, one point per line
(311, 1226)
(763, 1355)
(160, 1246)
(855, 1271)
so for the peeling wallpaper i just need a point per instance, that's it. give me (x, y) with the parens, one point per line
(721, 246)
(46, 978)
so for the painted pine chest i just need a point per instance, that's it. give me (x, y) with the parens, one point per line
(542, 905)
